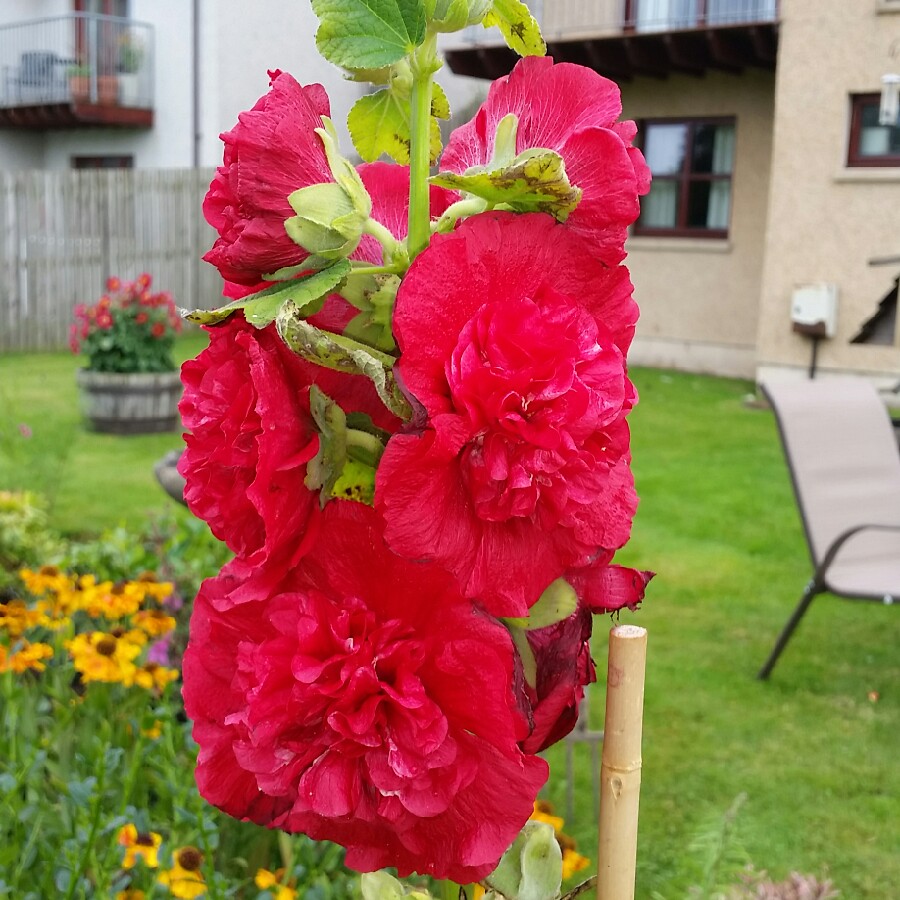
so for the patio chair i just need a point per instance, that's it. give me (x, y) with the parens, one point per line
(845, 468)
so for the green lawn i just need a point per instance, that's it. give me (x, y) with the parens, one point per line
(816, 756)
(91, 481)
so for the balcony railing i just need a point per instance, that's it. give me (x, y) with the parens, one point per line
(80, 68)
(624, 39)
(569, 18)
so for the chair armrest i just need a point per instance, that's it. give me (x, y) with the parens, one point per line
(839, 542)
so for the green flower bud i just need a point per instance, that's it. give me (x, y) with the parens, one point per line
(454, 15)
(330, 216)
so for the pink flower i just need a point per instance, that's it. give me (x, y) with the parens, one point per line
(270, 153)
(512, 338)
(246, 405)
(574, 111)
(341, 707)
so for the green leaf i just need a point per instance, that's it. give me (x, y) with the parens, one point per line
(535, 181)
(368, 34)
(519, 28)
(324, 469)
(374, 296)
(557, 602)
(343, 354)
(532, 867)
(379, 123)
(263, 307)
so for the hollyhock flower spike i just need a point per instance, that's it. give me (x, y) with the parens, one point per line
(410, 426)
(574, 111)
(341, 706)
(512, 339)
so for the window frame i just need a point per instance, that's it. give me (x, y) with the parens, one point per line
(685, 178)
(855, 159)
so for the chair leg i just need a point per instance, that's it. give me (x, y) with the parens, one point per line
(788, 630)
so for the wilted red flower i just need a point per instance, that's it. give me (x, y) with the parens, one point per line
(562, 651)
(246, 406)
(269, 154)
(574, 111)
(342, 707)
(518, 360)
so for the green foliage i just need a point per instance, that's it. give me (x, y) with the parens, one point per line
(379, 123)
(343, 354)
(263, 307)
(26, 539)
(532, 867)
(368, 34)
(519, 28)
(535, 181)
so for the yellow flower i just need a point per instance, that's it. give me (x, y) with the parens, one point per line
(153, 622)
(99, 656)
(184, 879)
(266, 880)
(48, 579)
(16, 618)
(130, 894)
(573, 862)
(27, 656)
(139, 845)
(111, 601)
(543, 812)
(154, 676)
(154, 731)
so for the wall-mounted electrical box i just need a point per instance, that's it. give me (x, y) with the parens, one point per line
(814, 310)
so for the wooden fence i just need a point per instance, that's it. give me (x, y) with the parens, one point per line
(63, 232)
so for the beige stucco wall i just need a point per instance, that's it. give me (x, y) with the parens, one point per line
(699, 298)
(826, 220)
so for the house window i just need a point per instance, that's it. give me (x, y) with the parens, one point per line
(692, 163)
(871, 144)
(102, 162)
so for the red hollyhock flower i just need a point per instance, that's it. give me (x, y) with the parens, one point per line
(246, 406)
(269, 154)
(512, 338)
(574, 111)
(342, 707)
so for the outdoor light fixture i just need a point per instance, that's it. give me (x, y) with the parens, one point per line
(890, 100)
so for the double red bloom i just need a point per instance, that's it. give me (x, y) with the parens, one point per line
(349, 673)
(518, 360)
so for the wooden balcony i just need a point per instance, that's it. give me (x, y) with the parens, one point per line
(76, 71)
(625, 39)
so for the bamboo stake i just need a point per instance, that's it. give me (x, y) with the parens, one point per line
(620, 772)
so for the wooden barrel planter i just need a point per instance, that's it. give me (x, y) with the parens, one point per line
(130, 403)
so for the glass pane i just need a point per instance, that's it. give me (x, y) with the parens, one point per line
(659, 209)
(708, 205)
(713, 150)
(664, 148)
(662, 15)
(875, 139)
(720, 12)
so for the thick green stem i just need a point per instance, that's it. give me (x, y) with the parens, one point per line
(423, 64)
